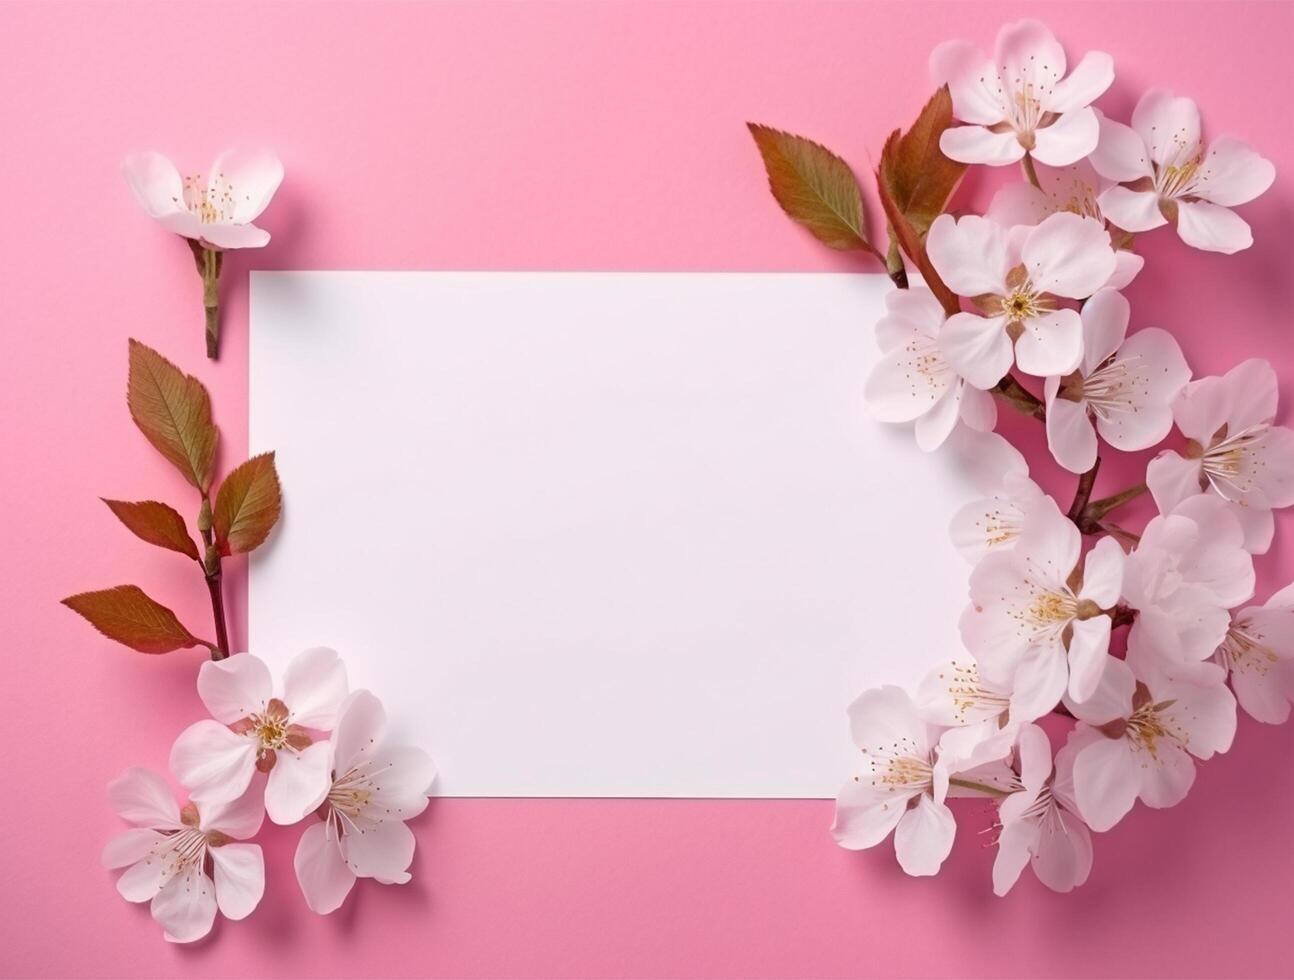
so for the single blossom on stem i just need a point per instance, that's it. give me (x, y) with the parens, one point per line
(1020, 101)
(1017, 283)
(1038, 616)
(1258, 655)
(1166, 175)
(374, 788)
(187, 862)
(1124, 388)
(255, 730)
(913, 381)
(1234, 450)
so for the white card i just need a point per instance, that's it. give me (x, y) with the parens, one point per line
(599, 534)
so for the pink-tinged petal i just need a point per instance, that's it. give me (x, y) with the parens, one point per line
(130, 846)
(1069, 255)
(1019, 204)
(1070, 435)
(1171, 479)
(1069, 139)
(934, 427)
(406, 777)
(298, 783)
(1207, 712)
(986, 459)
(970, 255)
(1049, 545)
(1169, 126)
(383, 851)
(1014, 846)
(1089, 654)
(185, 908)
(884, 717)
(1134, 211)
(1105, 325)
(965, 69)
(213, 762)
(242, 181)
(1120, 153)
(143, 798)
(1084, 85)
(1027, 51)
(1112, 698)
(361, 726)
(1126, 266)
(1107, 779)
(924, 837)
(321, 869)
(908, 312)
(1039, 682)
(906, 383)
(1062, 858)
(239, 818)
(978, 409)
(1264, 690)
(1154, 373)
(1266, 471)
(234, 236)
(1051, 344)
(1212, 228)
(990, 627)
(1259, 526)
(156, 183)
(977, 348)
(1231, 173)
(1242, 398)
(184, 223)
(941, 699)
(863, 817)
(239, 878)
(235, 688)
(1166, 776)
(142, 880)
(314, 687)
(975, 144)
(1103, 573)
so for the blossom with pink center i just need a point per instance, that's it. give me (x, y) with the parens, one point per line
(1137, 735)
(913, 381)
(1126, 387)
(217, 211)
(1258, 655)
(1040, 822)
(1020, 100)
(1235, 451)
(1165, 174)
(186, 862)
(1038, 618)
(373, 789)
(1017, 283)
(255, 730)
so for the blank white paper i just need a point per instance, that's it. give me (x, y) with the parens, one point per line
(599, 534)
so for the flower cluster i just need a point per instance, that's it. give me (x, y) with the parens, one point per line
(1032, 287)
(309, 748)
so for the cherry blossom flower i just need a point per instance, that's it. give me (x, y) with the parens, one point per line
(1126, 386)
(1020, 101)
(217, 211)
(1040, 822)
(254, 730)
(994, 521)
(374, 789)
(1037, 617)
(1234, 451)
(953, 694)
(186, 862)
(1258, 655)
(1165, 174)
(1017, 286)
(1074, 189)
(1188, 570)
(1136, 737)
(913, 381)
(904, 783)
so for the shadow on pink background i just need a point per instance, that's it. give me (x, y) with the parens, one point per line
(545, 136)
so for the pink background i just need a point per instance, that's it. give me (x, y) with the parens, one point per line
(542, 136)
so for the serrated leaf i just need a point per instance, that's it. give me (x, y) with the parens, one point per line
(127, 615)
(248, 505)
(173, 411)
(815, 187)
(155, 523)
(917, 175)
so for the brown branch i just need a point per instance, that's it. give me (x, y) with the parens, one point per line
(215, 585)
(1019, 397)
(1082, 494)
(1099, 508)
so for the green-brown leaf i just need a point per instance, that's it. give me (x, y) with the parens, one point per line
(917, 175)
(127, 615)
(248, 505)
(815, 187)
(155, 523)
(173, 411)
